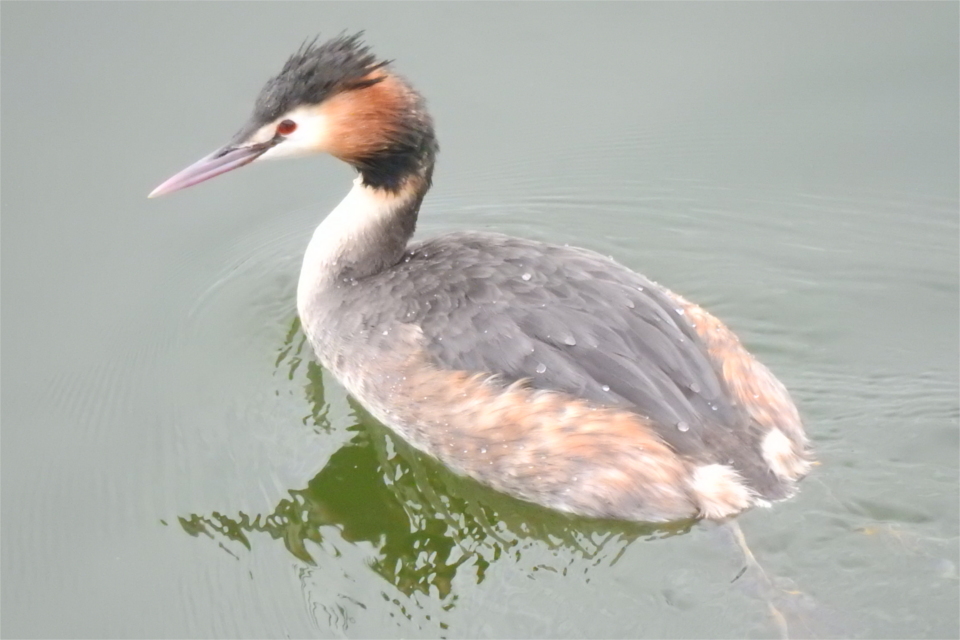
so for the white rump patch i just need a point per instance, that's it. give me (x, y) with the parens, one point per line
(720, 491)
(782, 456)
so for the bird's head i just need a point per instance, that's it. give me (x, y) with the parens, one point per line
(335, 98)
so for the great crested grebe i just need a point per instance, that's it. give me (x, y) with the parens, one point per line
(550, 373)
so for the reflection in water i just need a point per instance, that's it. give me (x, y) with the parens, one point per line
(425, 523)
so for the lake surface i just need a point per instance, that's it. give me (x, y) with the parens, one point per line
(175, 463)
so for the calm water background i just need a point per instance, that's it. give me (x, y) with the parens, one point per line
(175, 464)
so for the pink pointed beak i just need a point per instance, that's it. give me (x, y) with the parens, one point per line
(226, 159)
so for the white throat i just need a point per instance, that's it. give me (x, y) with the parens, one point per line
(359, 229)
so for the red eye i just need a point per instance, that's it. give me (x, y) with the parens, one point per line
(286, 127)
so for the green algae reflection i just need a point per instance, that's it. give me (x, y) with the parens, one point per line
(425, 523)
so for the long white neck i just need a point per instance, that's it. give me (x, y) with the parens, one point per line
(366, 233)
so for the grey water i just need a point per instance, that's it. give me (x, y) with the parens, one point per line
(175, 464)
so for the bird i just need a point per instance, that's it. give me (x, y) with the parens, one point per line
(550, 373)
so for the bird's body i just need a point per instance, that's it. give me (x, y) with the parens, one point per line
(550, 373)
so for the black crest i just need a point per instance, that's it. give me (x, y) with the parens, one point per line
(316, 72)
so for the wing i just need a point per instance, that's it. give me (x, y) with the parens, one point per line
(568, 320)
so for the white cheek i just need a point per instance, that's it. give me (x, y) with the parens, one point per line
(310, 136)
